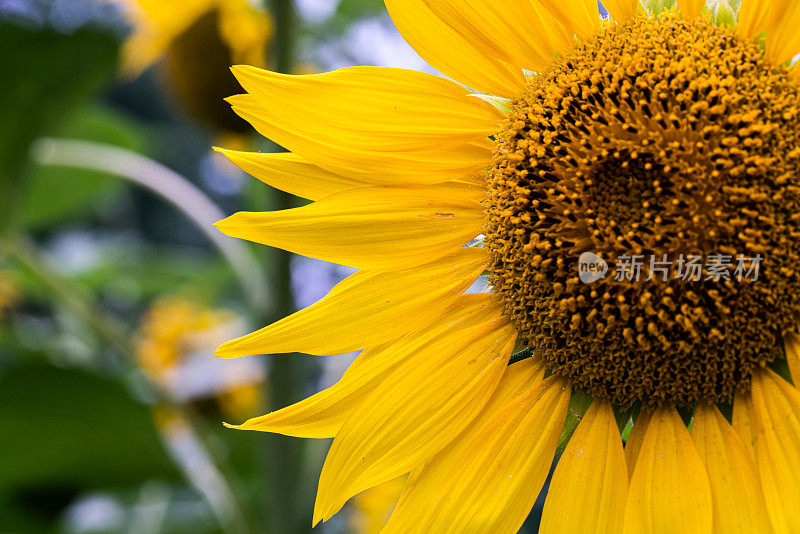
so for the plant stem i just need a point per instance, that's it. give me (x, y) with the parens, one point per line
(285, 509)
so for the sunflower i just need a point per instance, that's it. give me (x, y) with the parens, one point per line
(666, 136)
(198, 40)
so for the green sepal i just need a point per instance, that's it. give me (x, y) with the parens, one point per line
(656, 7)
(499, 102)
(687, 414)
(724, 14)
(578, 406)
(520, 353)
(781, 367)
(625, 418)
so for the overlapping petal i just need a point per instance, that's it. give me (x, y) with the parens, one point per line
(581, 17)
(590, 483)
(379, 228)
(437, 42)
(291, 173)
(735, 488)
(783, 39)
(691, 9)
(621, 10)
(754, 17)
(776, 413)
(519, 32)
(322, 415)
(635, 439)
(791, 343)
(367, 309)
(669, 491)
(386, 125)
(489, 478)
(425, 166)
(743, 422)
(435, 393)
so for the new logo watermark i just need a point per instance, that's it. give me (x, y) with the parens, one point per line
(684, 267)
(591, 268)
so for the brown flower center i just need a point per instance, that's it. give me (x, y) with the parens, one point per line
(660, 147)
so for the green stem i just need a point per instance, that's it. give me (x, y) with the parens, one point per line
(78, 301)
(286, 509)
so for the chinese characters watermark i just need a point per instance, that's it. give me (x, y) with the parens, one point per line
(683, 267)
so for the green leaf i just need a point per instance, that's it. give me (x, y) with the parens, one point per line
(73, 429)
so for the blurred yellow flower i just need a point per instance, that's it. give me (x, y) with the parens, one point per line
(372, 509)
(240, 399)
(197, 41)
(157, 24)
(173, 331)
(171, 328)
(9, 291)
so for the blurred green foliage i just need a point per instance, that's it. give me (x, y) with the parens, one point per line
(59, 194)
(45, 76)
(75, 417)
(68, 431)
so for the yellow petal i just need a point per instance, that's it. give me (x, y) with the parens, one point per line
(795, 72)
(581, 17)
(590, 484)
(783, 39)
(367, 309)
(744, 423)
(776, 411)
(440, 387)
(322, 415)
(519, 32)
(792, 343)
(424, 166)
(691, 9)
(635, 439)
(669, 490)
(375, 108)
(389, 125)
(291, 173)
(735, 488)
(754, 17)
(489, 478)
(378, 228)
(621, 10)
(436, 41)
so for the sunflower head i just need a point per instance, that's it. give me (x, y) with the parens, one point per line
(658, 138)
(647, 140)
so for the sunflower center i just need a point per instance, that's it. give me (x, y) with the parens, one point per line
(643, 212)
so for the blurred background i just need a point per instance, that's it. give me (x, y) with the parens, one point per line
(114, 287)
